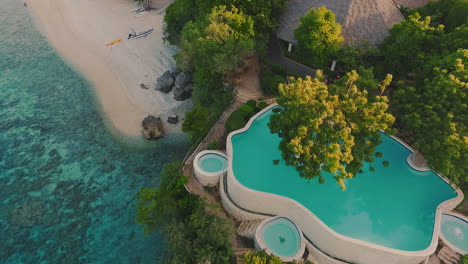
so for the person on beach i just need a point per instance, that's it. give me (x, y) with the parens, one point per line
(130, 35)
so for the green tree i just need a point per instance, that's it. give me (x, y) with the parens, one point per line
(410, 43)
(451, 13)
(192, 236)
(196, 122)
(220, 43)
(318, 35)
(263, 13)
(436, 112)
(328, 128)
(177, 15)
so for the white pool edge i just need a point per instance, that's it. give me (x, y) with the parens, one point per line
(204, 177)
(260, 244)
(442, 237)
(351, 249)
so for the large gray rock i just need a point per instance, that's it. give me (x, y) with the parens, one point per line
(183, 79)
(152, 127)
(180, 94)
(165, 82)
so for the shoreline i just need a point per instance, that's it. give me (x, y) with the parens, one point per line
(79, 30)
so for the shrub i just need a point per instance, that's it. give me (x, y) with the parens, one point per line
(252, 103)
(196, 123)
(464, 259)
(237, 120)
(261, 105)
(248, 108)
(269, 82)
(260, 257)
(213, 145)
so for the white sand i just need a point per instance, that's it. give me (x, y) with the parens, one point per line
(79, 30)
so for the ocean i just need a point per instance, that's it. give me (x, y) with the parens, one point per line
(67, 187)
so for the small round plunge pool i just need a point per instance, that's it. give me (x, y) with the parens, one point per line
(281, 237)
(454, 230)
(209, 165)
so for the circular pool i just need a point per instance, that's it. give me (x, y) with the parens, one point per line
(454, 232)
(209, 165)
(281, 237)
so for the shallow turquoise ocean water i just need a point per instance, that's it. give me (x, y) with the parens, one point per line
(393, 206)
(281, 236)
(66, 186)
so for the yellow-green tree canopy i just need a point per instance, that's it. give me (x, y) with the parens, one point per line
(318, 34)
(436, 115)
(260, 257)
(220, 43)
(328, 128)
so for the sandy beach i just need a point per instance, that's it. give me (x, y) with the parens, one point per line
(79, 30)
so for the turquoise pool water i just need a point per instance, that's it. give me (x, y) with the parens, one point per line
(393, 206)
(212, 162)
(455, 230)
(67, 188)
(282, 237)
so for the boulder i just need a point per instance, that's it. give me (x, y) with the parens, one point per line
(180, 94)
(173, 119)
(152, 127)
(183, 79)
(189, 88)
(165, 82)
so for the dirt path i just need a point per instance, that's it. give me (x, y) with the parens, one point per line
(249, 88)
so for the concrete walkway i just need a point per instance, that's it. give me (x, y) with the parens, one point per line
(275, 54)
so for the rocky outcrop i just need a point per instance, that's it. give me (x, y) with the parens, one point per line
(183, 93)
(152, 127)
(173, 119)
(183, 86)
(165, 82)
(183, 79)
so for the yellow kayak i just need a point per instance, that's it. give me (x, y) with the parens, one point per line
(113, 42)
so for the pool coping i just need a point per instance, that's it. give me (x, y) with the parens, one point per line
(445, 206)
(442, 237)
(213, 175)
(260, 242)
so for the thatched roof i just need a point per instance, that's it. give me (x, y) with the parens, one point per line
(360, 19)
(413, 3)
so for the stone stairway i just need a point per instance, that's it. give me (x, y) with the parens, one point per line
(247, 228)
(243, 96)
(448, 256)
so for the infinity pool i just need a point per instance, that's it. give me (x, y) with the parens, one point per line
(392, 206)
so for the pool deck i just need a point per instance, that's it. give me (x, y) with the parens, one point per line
(334, 244)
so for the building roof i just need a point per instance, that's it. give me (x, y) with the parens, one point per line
(360, 19)
(413, 3)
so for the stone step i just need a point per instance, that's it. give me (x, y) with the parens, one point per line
(248, 228)
(448, 256)
(250, 95)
